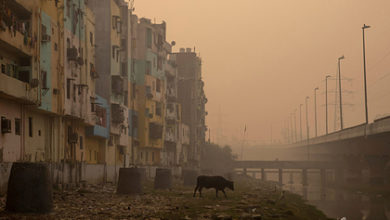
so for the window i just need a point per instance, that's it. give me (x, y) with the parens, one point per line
(153, 156)
(90, 154)
(158, 108)
(148, 68)
(149, 38)
(91, 38)
(74, 92)
(17, 126)
(158, 85)
(30, 128)
(133, 66)
(81, 143)
(39, 133)
(68, 88)
(113, 52)
(67, 43)
(44, 79)
(147, 156)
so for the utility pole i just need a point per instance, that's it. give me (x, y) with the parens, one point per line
(365, 78)
(340, 92)
(315, 109)
(326, 102)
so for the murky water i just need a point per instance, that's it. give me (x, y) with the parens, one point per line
(336, 203)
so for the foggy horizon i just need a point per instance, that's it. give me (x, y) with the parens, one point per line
(269, 55)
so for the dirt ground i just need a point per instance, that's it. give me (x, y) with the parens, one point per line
(250, 200)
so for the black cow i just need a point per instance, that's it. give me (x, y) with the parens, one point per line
(216, 182)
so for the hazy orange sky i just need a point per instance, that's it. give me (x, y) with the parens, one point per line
(261, 58)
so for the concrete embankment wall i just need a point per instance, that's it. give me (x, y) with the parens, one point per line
(70, 174)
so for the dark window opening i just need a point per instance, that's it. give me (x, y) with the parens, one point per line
(91, 38)
(81, 143)
(68, 88)
(17, 126)
(74, 93)
(158, 85)
(30, 128)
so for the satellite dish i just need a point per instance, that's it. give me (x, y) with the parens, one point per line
(173, 43)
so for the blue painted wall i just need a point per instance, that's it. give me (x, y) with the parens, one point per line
(74, 15)
(45, 64)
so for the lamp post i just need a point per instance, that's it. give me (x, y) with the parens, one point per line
(340, 96)
(364, 64)
(295, 124)
(300, 119)
(315, 110)
(307, 129)
(326, 102)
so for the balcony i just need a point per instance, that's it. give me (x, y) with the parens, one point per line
(118, 114)
(15, 29)
(155, 130)
(170, 135)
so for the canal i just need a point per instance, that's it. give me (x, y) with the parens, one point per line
(335, 203)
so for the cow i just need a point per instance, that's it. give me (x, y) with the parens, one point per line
(216, 182)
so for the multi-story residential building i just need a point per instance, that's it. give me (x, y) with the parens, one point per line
(172, 147)
(19, 74)
(192, 98)
(90, 98)
(149, 63)
(113, 67)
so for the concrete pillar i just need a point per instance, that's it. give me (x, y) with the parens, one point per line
(323, 177)
(304, 192)
(280, 176)
(377, 165)
(354, 167)
(304, 177)
(339, 176)
(263, 175)
(323, 194)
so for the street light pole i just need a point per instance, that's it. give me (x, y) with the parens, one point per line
(307, 129)
(340, 92)
(300, 119)
(295, 124)
(364, 64)
(326, 101)
(315, 109)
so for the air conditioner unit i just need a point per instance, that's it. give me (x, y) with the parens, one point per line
(46, 38)
(72, 53)
(72, 138)
(5, 125)
(34, 83)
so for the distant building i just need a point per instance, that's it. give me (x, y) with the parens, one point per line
(192, 98)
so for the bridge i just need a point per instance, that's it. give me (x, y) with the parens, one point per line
(365, 147)
(263, 167)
